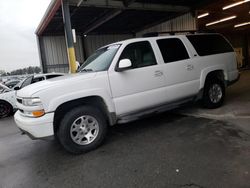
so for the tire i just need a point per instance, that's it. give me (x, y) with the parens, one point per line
(214, 94)
(5, 109)
(82, 129)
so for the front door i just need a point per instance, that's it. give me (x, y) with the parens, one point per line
(139, 87)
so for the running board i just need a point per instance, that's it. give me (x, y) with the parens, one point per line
(155, 110)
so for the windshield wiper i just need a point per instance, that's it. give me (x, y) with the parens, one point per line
(86, 70)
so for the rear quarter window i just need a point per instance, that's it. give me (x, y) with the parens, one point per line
(209, 44)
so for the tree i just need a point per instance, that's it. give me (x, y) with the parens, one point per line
(28, 70)
(2, 72)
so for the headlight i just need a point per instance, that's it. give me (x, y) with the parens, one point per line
(32, 102)
(34, 107)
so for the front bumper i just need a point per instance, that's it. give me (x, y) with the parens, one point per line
(36, 128)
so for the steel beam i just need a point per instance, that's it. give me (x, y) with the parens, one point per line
(48, 16)
(101, 21)
(69, 36)
(132, 6)
(127, 2)
(107, 17)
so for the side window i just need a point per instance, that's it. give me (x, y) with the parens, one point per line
(209, 44)
(53, 76)
(140, 54)
(38, 79)
(172, 50)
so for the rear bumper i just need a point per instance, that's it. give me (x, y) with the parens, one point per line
(36, 128)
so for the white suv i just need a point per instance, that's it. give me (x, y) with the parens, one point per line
(124, 81)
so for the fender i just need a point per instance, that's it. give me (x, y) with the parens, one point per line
(81, 94)
(10, 98)
(206, 71)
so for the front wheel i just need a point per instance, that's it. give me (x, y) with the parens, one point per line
(214, 93)
(82, 129)
(5, 109)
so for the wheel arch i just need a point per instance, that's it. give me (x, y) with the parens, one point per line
(220, 73)
(95, 101)
(12, 108)
(2, 100)
(211, 72)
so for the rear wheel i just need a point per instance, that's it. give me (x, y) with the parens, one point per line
(5, 109)
(214, 93)
(82, 129)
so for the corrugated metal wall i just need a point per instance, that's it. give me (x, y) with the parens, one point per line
(93, 42)
(185, 22)
(55, 53)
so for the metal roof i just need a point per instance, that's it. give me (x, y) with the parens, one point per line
(114, 16)
(216, 13)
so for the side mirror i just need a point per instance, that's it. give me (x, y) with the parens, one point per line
(124, 64)
(16, 88)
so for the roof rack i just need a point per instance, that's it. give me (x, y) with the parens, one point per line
(155, 34)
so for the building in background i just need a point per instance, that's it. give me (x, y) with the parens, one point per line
(99, 22)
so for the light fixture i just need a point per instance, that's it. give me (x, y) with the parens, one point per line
(203, 15)
(235, 4)
(221, 20)
(242, 24)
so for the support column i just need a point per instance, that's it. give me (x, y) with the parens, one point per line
(41, 52)
(69, 36)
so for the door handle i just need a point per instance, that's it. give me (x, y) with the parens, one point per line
(190, 67)
(158, 73)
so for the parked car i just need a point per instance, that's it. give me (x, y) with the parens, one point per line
(124, 81)
(11, 83)
(8, 95)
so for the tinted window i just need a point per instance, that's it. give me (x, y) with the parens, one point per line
(53, 76)
(12, 83)
(172, 50)
(209, 44)
(38, 79)
(140, 54)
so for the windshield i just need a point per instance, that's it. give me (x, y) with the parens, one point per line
(26, 82)
(100, 60)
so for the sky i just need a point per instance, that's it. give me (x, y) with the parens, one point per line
(18, 22)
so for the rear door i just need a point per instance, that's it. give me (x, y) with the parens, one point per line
(182, 75)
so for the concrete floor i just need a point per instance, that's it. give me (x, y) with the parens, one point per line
(167, 150)
(236, 108)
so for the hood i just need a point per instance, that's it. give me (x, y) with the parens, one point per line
(62, 81)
